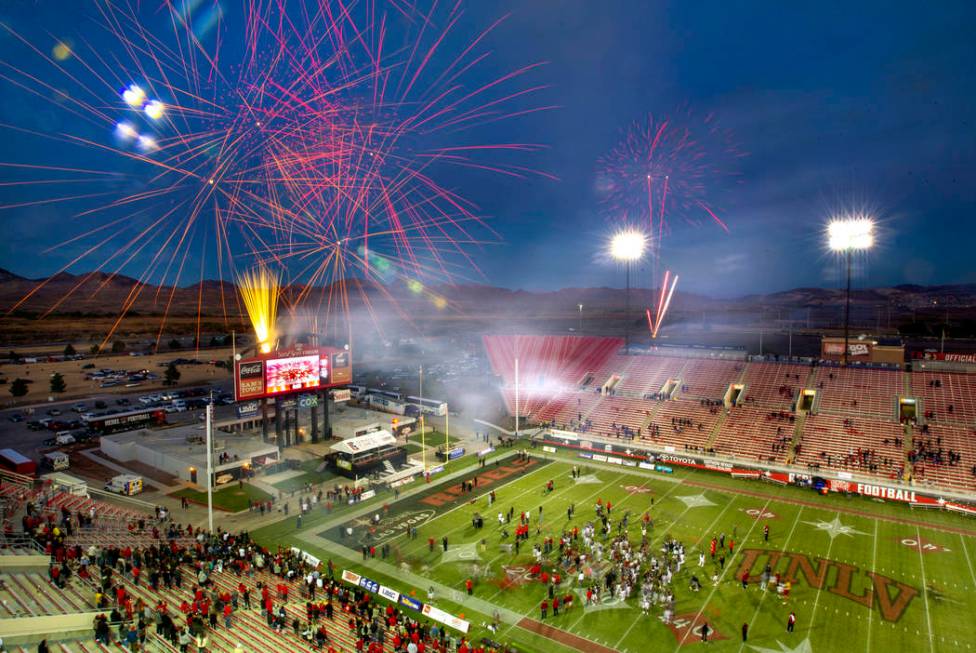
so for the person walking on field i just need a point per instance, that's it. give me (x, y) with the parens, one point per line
(791, 622)
(745, 632)
(704, 632)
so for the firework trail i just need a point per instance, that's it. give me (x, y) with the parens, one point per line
(663, 170)
(310, 137)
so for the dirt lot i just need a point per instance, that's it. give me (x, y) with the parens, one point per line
(78, 386)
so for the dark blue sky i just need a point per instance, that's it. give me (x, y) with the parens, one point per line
(838, 104)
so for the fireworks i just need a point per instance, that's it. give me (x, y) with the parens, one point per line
(260, 289)
(307, 136)
(666, 169)
(662, 170)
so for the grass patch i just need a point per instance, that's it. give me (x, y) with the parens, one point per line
(412, 448)
(230, 498)
(433, 438)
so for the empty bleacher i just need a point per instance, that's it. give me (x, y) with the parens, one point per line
(754, 434)
(857, 391)
(833, 442)
(759, 428)
(774, 385)
(941, 472)
(950, 397)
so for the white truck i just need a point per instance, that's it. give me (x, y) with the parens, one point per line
(127, 484)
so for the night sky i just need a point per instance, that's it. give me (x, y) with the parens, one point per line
(839, 105)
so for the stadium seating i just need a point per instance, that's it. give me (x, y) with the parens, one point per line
(759, 428)
(939, 391)
(856, 391)
(751, 433)
(960, 440)
(774, 385)
(31, 595)
(709, 379)
(833, 442)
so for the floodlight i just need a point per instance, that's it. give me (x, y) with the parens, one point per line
(627, 245)
(850, 234)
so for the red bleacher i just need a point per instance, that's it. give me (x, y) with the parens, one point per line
(575, 369)
(939, 391)
(832, 445)
(856, 391)
(774, 385)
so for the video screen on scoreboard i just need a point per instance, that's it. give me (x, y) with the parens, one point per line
(294, 373)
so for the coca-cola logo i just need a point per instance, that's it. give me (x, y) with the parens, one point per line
(250, 370)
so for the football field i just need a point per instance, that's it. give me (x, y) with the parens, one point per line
(864, 575)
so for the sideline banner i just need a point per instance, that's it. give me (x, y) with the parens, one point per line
(664, 460)
(392, 595)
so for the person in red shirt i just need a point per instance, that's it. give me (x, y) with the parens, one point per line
(544, 608)
(555, 606)
(468, 585)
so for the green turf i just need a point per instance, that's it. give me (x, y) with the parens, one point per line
(939, 581)
(412, 448)
(230, 498)
(308, 475)
(433, 438)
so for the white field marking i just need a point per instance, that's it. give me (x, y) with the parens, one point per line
(816, 600)
(701, 611)
(707, 530)
(588, 497)
(649, 480)
(874, 561)
(465, 504)
(925, 589)
(572, 626)
(965, 552)
(763, 596)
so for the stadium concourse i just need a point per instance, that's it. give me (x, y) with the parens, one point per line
(814, 417)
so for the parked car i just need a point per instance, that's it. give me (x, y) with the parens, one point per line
(54, 412)
(78, 407)
(16, 417)
(100, 405)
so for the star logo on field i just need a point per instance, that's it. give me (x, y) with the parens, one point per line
(802, 647)
(835, 528)
(696, 500)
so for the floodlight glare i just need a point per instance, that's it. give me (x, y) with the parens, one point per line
(850, 234)
(627, 246)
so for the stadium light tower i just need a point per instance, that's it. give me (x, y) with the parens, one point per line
(848, 235)
(627, 247)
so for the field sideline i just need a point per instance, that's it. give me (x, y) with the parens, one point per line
(865, 575)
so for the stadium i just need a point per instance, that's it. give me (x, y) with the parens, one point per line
(403, 326)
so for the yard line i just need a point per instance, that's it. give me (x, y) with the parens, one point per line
(972, 574)
(762, 598)
(707, 530)
(600, 489)
(925, 586)
(720, 577)
(816, 600)
(874, 564)
(674, 487)
(465, 504)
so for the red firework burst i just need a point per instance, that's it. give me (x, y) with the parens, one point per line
(670, 168)
(315, 142)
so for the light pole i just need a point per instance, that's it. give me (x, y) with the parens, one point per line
(580, 329)
(848, 235)
(627, 246)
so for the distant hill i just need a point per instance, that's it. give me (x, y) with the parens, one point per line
(100, 293)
